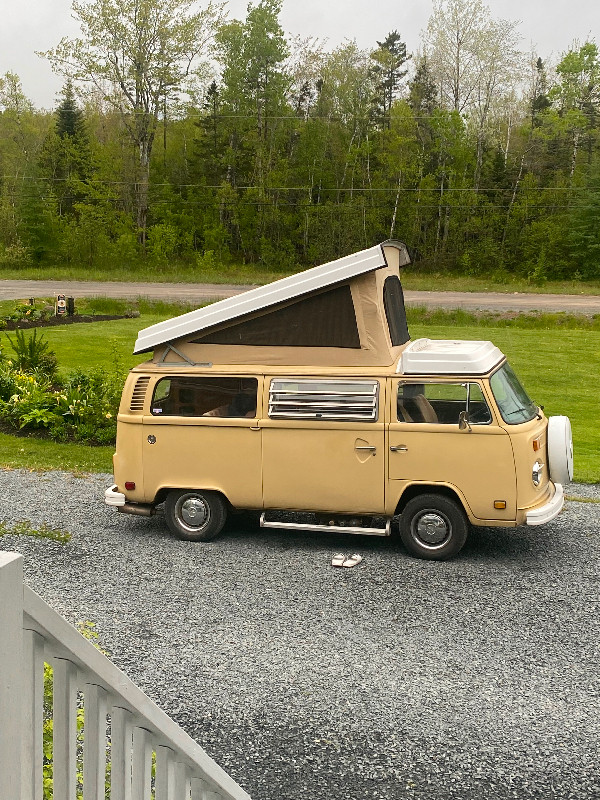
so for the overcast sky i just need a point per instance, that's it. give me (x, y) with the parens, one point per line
(30, 25)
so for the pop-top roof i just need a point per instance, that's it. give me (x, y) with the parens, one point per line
(263, 297)
(447, 357)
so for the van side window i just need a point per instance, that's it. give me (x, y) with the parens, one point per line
(353, 400)
(442, 403)
(189, 396)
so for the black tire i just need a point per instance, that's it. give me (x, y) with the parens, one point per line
(433, 526)
(195, 515)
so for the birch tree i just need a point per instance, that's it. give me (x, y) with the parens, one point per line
(142, 54)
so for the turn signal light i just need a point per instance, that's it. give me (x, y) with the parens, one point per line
(537, 443)
(130, 486)
(499, 504)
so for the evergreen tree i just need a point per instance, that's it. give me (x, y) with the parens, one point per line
(389, 59)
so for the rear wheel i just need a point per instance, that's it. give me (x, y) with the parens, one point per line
(433, 526)
(194, 515)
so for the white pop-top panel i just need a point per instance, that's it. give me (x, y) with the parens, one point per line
(259, 298)
(448, 357)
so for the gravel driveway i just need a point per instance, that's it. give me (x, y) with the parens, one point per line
(475, 678)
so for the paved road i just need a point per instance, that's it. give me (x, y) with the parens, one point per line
(201, 292)
(473, 679)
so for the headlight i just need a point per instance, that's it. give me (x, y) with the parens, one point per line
(536, 473)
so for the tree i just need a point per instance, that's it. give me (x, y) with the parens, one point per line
(141, 54)
(474, 59)
(389, 59)
(577, 95)
(539, 100)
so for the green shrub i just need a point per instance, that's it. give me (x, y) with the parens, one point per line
(82, 409)
(33, 353)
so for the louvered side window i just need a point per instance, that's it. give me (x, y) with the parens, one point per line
(352, 400)
(139, 394)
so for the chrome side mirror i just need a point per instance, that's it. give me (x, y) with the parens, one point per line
(463, 422)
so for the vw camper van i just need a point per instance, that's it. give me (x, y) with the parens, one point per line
(307, 396)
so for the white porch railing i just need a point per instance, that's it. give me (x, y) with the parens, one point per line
(31, 633)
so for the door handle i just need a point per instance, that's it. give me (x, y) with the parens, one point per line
(370, 447)
(398, 448)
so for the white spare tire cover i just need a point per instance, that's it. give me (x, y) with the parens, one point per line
(560, 450)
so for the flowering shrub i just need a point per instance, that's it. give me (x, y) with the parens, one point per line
(82, 408)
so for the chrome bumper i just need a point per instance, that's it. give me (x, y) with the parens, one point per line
(112, 497)
(547, 512)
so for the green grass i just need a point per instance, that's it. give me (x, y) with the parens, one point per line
(29, 452)
(168, 273)
(94, 344)
(558, 363)
(25, 528)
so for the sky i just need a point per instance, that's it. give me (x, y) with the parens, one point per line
(30, 25)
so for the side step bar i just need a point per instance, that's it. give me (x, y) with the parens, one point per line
(301, 526)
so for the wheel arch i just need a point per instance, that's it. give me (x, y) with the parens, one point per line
(416, 489)
(161, 494)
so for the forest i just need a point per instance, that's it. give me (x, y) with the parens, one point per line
(185, 139)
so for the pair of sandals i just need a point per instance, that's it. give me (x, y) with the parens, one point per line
(341, 560)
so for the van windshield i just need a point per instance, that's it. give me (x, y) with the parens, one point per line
(513, 401)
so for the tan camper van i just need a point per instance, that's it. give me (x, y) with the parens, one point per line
(308, 396)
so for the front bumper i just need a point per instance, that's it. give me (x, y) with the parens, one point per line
(112, 496)
(547, 512)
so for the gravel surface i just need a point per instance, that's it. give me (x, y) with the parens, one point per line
(399, 678)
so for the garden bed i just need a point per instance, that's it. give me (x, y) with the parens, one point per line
(19, 324)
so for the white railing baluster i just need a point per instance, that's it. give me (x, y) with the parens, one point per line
(142, 764)
(94, 741)
(32, 631)
(164, 787)
(64, 736)
(181, 782)
(32, 751)
(120, 752)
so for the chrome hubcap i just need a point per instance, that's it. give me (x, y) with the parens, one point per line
(432, 528)
(193, 512)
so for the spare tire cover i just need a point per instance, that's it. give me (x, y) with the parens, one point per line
(560, 450)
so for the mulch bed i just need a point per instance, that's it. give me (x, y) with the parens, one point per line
(12, 325)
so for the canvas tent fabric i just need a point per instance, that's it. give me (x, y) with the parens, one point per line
(349, 312)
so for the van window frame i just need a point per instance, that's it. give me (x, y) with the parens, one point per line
(467, 383)
(207, 415)
(321, 403)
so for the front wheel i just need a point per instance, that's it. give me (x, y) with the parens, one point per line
(194, 515)
(433, 526)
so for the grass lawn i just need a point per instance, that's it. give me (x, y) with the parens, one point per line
(558, 366)
(29, 452)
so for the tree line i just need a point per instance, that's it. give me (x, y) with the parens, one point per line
(183, 137)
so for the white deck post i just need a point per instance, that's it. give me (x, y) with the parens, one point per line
(11, 669)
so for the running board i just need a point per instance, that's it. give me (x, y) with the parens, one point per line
(299, 526)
